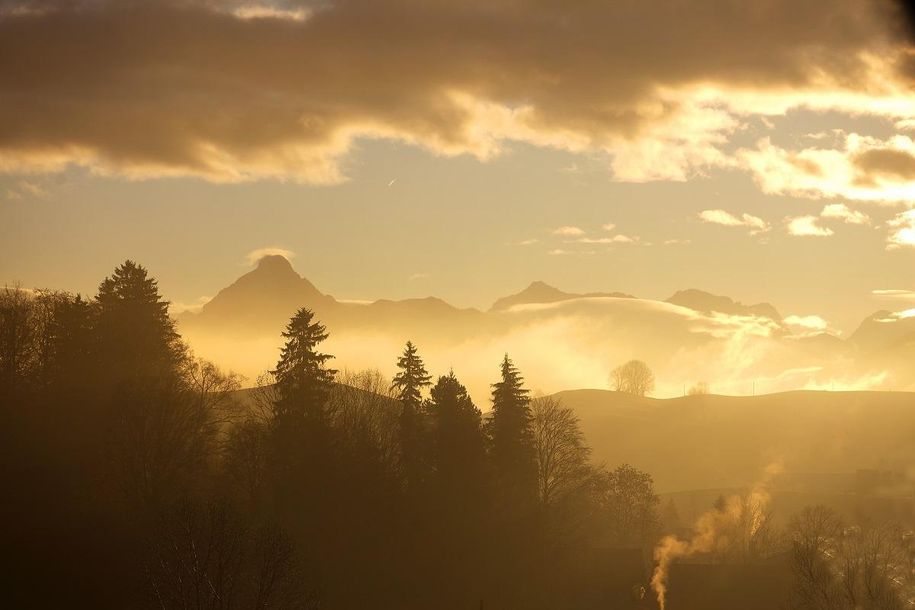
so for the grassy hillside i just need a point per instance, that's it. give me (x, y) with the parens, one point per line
(701, 442)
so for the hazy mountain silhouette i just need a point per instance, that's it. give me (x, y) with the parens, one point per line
(264, 299)
(259, 299)
(692, 336)
(883, 330)
(540, 292)
(706, 302)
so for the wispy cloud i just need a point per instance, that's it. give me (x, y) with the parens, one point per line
(724, 218)
(608, 226)
(419, 276)
(264, 11)
(25, 189)
(568, 231)
(902, 231)
(842, 212)
(176, 308)
(809, 323)
(255, 255)
(895, 294)
(806, 226)
(615, 239)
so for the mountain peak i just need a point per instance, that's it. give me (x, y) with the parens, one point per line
(541, 292)
(274, 263)
(536, 292)
(267, 295)
(706, 302)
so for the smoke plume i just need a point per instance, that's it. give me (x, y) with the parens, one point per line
(715, 530)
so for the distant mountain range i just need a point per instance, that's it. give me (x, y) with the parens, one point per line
(692, 335)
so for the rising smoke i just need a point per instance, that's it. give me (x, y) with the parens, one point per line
(736, 522)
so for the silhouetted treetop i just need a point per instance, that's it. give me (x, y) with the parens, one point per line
(303, 381)
(510, 431)
(412, 377)
(133, 329)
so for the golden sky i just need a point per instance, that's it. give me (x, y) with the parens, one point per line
(396, 148)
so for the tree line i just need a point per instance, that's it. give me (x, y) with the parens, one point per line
(141, 476)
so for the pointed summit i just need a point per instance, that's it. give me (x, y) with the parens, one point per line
(275, 263)
(266, 296)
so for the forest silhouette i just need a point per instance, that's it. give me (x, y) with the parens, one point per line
(141, 476)
(142, 480)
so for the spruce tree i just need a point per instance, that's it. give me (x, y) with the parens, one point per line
(412, 378)
(458, 437)
(154, 438)
(134, 336)
(303, 381)
(407, 385)
(511, 434)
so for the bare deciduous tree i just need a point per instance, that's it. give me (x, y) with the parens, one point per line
(633, 377)
(838, 567)
(698, 389)
(364, 411)
(207, 557)
(562, 456)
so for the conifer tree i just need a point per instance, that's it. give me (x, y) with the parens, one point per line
(511, 432)
(407, 385)
(134, 335)
(155, 438)
(303, 381)
(412, 378)
(458, 437)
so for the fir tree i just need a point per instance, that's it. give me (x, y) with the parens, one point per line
(408, 385)
(134, 335)
(411, 379)
(458, 437)
(303, 382)
(511, 432)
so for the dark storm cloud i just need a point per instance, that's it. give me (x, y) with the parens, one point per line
(185, 87)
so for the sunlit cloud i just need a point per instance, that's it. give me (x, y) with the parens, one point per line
(615, 239)
(177, 308)
(811, 322)
(902, 230)
(864, 169)
(297, 91)
(806, 226)
(895, 294)
(842, 212)
(895, 316)
(255, 255)
(263, 11)
(568, 231)
(418, 276)
(609, 226)
(721, 217)
(809, 325)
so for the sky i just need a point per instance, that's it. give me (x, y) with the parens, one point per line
(400, 148)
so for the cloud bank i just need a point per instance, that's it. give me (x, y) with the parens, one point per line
(232, 91)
